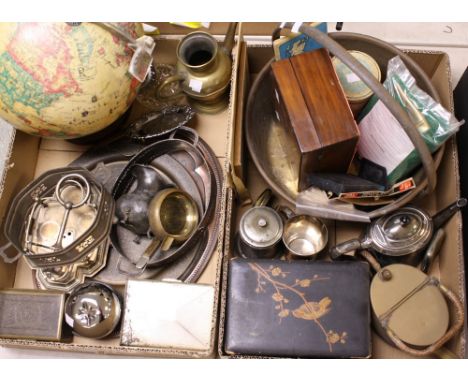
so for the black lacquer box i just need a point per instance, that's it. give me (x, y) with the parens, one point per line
(300, 309)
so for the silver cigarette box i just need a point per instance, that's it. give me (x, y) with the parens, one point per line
(31, 314)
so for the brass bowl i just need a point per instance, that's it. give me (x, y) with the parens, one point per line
(272, 149)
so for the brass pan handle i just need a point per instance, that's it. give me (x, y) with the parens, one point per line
(456, 326)
(378, 89)
(264, 198)
(167, 82)
(285, 212)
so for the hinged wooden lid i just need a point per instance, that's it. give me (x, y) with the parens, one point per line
(314, 100)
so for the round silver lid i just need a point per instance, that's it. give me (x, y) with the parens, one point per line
(403, 232)
(261, 227)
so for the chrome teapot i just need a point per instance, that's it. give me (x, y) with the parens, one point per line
(403, 234)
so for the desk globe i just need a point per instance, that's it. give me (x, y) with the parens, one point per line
(65, 80)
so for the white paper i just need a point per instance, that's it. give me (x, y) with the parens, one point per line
(149, 28)
(196, 85)
(314, 202)
(295, 28)
(382, 139)
(142, 58)
(351, 78)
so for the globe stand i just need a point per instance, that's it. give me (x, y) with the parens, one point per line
(114, 128)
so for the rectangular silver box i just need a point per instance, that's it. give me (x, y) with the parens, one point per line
(31, 314)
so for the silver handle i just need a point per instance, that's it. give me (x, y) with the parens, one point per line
(342, 249)
(7, 259)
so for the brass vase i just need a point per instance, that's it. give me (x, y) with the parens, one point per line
(203, 68)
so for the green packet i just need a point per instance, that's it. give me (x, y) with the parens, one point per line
(384, 141)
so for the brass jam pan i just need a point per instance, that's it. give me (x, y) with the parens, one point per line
(271, 147)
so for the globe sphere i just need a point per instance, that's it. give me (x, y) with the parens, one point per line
(65, 80)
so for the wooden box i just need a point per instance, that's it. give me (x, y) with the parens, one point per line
(304, 309)
(311, 103)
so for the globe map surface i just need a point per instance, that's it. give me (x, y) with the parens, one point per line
(64, 81)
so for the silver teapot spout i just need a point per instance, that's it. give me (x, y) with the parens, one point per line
(441, 217)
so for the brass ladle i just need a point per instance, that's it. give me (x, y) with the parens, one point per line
(173, 216)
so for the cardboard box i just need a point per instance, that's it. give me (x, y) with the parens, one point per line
(24, 157)
(450, 265)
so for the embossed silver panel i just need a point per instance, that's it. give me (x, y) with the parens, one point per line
(31, 314)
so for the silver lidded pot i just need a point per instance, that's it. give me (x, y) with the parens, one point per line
(260, 230)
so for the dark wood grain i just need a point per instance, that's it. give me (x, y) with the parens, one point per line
(293, 108)
(312, 105)
(324, 97)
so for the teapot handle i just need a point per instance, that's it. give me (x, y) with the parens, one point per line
(441, 217)
(456, 326)
(342, 249)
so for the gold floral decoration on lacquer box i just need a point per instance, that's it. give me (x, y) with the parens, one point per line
(310, 310)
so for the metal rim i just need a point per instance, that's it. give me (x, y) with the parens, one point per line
(371, 63)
